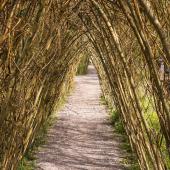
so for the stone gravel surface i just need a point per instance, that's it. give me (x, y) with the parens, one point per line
(82, 138)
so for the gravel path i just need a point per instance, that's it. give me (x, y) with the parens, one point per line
(82, 138)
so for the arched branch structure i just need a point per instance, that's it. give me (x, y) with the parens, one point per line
(41, 44)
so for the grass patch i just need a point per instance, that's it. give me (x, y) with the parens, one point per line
(28, 160)
(130, 161)
(152, 120)
(116, 122)
(26, 164)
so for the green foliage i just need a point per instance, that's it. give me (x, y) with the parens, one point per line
(26, 164)
(117, 122)
(130, 161)
(150, 114)
(103, 101)
(83, 65)
(115, 117)
(119, 127)
(152, 119)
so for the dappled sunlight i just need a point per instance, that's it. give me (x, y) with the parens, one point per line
(82, 137)
(44, 44)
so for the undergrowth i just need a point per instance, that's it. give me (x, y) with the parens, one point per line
(83, 65)
(28, 161)
(152, 119)
(130, 161)
(153, 122)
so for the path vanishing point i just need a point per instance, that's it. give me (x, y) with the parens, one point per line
(82, 137)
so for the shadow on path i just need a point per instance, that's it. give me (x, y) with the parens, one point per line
(82, 137)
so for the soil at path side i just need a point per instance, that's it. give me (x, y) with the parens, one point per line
(82, 138)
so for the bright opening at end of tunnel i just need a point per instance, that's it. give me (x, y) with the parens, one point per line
(82, 137)
(58, 111)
